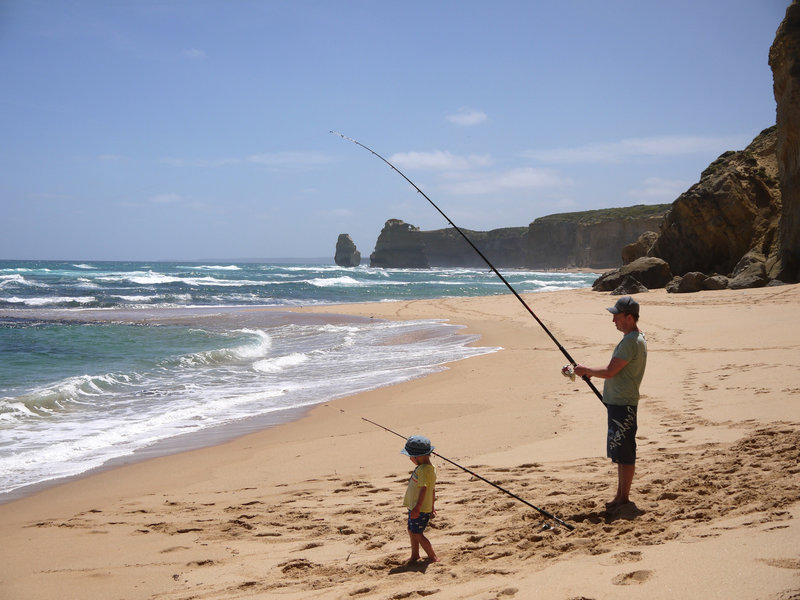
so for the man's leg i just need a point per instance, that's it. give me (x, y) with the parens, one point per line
(625, 480)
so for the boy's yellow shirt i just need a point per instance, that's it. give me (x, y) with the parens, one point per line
(424, 476)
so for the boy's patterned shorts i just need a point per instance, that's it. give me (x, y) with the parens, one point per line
(419, 524)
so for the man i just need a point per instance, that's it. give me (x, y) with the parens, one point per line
(623, 376)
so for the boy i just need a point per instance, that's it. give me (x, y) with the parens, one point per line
(420, 495)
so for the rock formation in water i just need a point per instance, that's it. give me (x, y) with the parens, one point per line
(784, 58)
(347, 255)
(399, 246)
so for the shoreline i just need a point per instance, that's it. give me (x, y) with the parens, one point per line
(204, 522)
(215, 434)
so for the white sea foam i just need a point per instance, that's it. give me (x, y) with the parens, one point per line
(50, 300)
(218, 267)
(16, 279)
(256, 349)
(280, 363)
(344, 281)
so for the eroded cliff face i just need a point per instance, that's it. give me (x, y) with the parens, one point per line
(399, 246)
(592, 241)
(503, 247)
(569, 240)
(784, 58)
(734, 209)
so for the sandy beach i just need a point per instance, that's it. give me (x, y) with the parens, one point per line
(312, 508)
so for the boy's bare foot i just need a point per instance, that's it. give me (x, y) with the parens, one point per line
(617, 502)
(434, 559)
(412, 560)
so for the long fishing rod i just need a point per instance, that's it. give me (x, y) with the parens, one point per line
(486, 260)
(502, 489)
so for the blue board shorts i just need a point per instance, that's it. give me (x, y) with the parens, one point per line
(419, 524)
(621, 440)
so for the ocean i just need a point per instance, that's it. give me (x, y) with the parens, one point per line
(109, 362)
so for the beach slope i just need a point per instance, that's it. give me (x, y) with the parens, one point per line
(312, 508)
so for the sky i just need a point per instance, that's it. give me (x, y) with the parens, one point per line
(198, 129)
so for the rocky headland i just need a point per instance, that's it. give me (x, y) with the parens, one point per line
(737, 227)
(590, 239)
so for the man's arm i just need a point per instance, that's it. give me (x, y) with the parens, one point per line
(613, 368)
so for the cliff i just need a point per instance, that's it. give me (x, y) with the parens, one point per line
(784, 58)
(734, 209)
(503, 247)
(399, 246)
(592, 239)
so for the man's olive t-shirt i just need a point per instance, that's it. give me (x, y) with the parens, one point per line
(623, 388)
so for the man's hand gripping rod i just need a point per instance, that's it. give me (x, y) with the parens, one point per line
(486, 260)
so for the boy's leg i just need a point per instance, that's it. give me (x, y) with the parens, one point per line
(414, 546)
(426, 545)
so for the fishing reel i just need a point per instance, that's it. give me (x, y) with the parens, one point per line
(569, 371)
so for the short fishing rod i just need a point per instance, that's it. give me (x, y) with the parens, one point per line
(486, 260)
(505, 491)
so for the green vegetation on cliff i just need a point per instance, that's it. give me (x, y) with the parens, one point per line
(589, 217)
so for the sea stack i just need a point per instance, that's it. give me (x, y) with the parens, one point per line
(347, 255)
(399, 246)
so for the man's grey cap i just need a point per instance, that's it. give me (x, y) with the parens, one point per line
(627, 305)
(417, 445)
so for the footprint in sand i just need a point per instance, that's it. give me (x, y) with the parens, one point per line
(632, 578)
(620, 558)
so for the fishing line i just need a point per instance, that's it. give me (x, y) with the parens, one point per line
(502, 489)
(486, 260)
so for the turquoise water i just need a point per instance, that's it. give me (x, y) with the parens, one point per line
(102, 361)
(123, 285)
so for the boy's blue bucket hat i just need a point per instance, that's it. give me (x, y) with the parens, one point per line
(417, 445)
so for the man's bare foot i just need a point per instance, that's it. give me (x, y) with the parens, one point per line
(412, 560)
(616, 503)
(434, 559)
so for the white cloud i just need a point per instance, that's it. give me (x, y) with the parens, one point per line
(275, 159)
(439, 160)
(658, 189)
(627, 149)
(467, 117)
(165, 198)
(289, 159)
(194, 54)
(524, 178)
(201, 162)
(341, 212)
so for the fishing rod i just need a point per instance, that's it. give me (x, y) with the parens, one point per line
(502, 489)
(481, 254)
